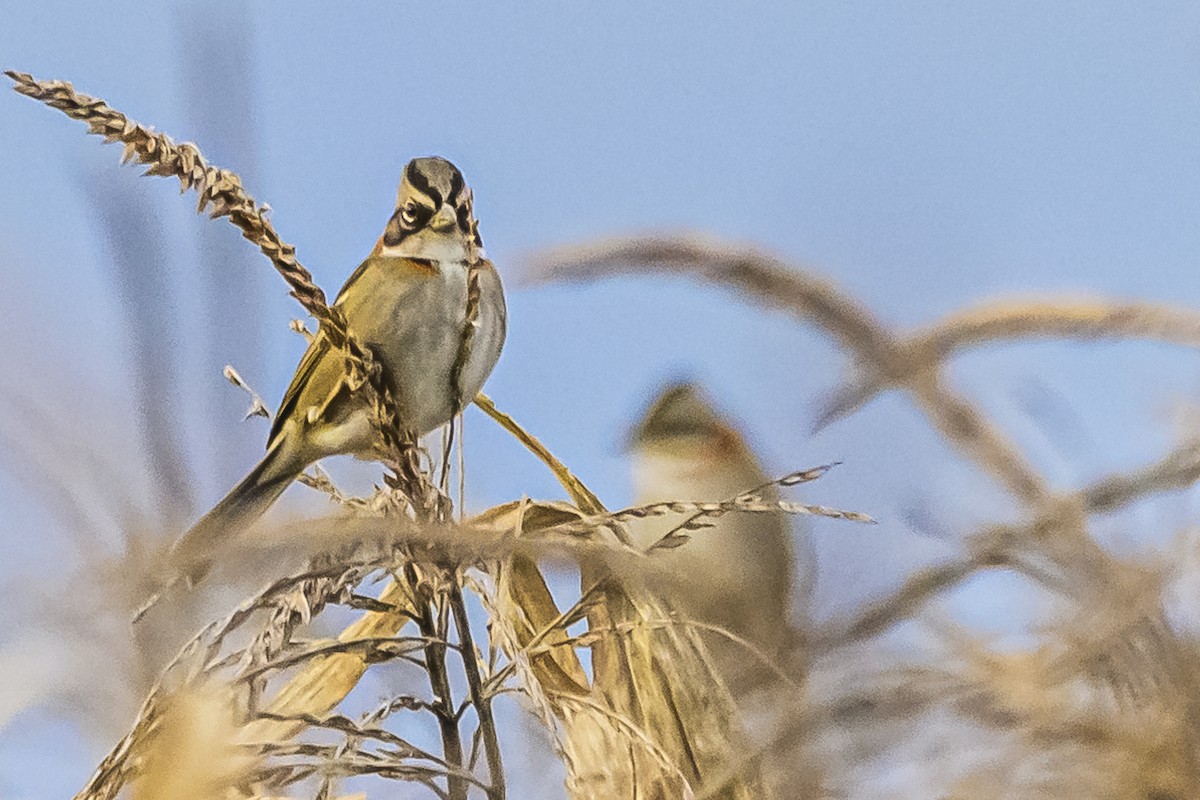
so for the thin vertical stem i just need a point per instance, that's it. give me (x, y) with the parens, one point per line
(481, 700)
(439, 682)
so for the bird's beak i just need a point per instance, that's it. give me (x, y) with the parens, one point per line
(445, 219)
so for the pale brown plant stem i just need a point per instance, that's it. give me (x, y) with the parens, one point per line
(744, 268)
(1177, 469)
(900, 604)
(443, 701)
(1008, 319)
(470, 326)
(913, 362)
(1071, 317)
(479, 699)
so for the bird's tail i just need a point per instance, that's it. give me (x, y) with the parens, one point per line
(192, 555)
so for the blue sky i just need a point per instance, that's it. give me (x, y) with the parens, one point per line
(922, 155)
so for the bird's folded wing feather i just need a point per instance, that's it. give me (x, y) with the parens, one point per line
(380, 287)
(317, 349)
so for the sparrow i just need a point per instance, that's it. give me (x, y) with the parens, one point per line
(407, 302)
(737, 574)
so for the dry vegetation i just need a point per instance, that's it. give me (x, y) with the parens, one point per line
(1101, 705)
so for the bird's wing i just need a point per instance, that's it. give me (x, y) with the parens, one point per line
(381, 286)
(313, 356)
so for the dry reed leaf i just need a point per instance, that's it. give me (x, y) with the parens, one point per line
(534, 614)
(580, 494)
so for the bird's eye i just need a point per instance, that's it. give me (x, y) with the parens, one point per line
(409, 213)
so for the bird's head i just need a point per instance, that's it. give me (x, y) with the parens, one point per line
(679, 417)
(434, 217)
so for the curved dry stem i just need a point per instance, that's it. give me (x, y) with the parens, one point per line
(1087, 318)
(902, 604)
(579, 493)
(1178, 469)
(1008, 319)
(740, 266)
(221, 192)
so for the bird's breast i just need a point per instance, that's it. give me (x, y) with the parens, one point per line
(420, 341)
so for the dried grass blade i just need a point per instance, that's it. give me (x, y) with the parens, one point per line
(579, 493)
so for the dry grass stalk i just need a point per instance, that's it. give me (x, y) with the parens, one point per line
(273, 730)
(750, 502)
(1085, 319)
(219, 189)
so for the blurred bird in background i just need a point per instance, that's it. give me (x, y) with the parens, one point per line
(737, 574)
